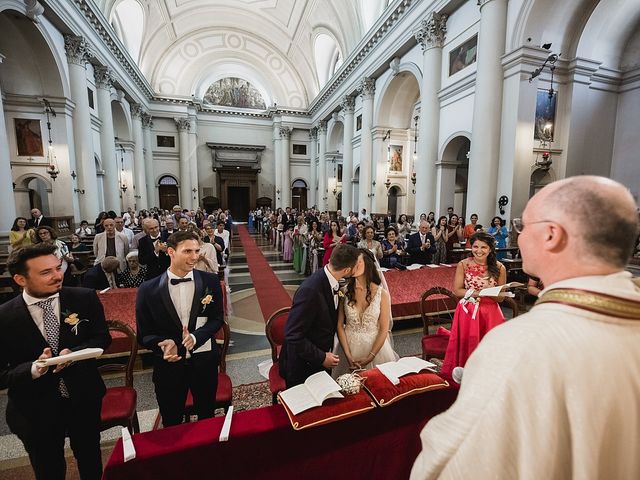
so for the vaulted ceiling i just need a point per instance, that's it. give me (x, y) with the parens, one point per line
(186, 45)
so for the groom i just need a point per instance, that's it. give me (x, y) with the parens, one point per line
(178, 313)
(312, 320)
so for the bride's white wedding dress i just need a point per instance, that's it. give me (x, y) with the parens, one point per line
(361, 331)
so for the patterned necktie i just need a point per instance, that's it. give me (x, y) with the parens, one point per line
(52, 332)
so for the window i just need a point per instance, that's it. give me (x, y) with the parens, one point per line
(90, 95)
(358, 123)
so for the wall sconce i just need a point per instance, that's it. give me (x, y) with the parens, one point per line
(137, 196)
(413, 180)
(52, 169)
(123, 187)
(194, 190)
(73, 174)
(78, 190)
(388, 184)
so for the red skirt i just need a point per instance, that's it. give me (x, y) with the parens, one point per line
(466, 332)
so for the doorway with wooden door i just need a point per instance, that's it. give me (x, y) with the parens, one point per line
(238, 202)
(168, 192)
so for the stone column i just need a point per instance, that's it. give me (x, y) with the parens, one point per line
(152, 196)
(487, 111)
(366, 88)
(313, 168)
(193, 161)
(183, 125)
(140, 183)
(285, 136)
(348, 104)
(430, 36)
(322, 166)
(104, 81)
(7, 200)
(278, 164)
(77, 50)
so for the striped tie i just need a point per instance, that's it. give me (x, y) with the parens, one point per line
(52, 332)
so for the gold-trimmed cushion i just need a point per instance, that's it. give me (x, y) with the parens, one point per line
(332, 410)
(385, 393)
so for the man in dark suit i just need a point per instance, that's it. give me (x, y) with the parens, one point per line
(312, 320)
(421, 245)
(38, 220)
(102, 276)
(178, 314)
(47, 403)
(389, 219)
(152, 250)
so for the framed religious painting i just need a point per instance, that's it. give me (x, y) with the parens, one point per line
(545, 116)
(463, 55)
(166, 141)
(395, 158)
(29, 137)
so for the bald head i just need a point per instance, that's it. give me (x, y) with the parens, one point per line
(598, 211)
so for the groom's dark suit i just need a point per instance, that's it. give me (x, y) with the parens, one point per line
(158, 319)
(309, 331)
(36, 411)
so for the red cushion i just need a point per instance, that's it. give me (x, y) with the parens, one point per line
(385, 393)
(276, 382)
(332, 410)
(435, 345)
(224, 391)
(119, 403)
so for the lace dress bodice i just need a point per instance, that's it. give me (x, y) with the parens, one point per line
(367, 322)
(477, 277)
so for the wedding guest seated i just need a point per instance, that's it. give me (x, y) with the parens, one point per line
(103, 275)
(370, 243)
(75, 245)
(421, 245)
(404, 227)
(392, 250)
(134, 274)
(84, 229)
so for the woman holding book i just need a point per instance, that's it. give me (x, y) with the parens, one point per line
(364, 316)
(475, 315)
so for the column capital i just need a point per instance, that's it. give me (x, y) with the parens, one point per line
(77, 49)
(147, 121)
(104, 77)
(285, 132)
(432, 30)
(136, 110)
(182, 123)
(322, 127)
(367, 87)
(348, 104)
(313, 133)
(482, 3)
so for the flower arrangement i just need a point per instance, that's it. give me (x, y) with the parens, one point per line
(73, 320)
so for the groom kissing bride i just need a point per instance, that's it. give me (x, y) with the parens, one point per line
(311, 326)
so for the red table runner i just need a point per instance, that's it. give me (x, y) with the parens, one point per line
(407, 286)
(382, 443)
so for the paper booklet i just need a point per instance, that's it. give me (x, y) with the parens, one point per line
(315, 390)
(495, 291)
(394, 370)
(414, 266)
(83, 354)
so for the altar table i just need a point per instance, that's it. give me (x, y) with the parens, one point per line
(407, 286)
(382, 443)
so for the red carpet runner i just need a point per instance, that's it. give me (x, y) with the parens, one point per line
(270, 292)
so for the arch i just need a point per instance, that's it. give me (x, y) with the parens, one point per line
(167, 179)
(235, 92)
(127, 17)
(122, 128)
(327, 55)
(23, 180)
(540, 177)
(335, 137)
(397, 102)
(392, 199)
(450, 138)
(168, 193)
(33, 190)
(299, 183)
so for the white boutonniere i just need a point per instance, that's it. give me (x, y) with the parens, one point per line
(206, 300)
(73, 320)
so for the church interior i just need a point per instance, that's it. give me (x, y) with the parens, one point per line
(376, 111)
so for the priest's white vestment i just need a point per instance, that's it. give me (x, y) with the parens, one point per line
(551, 394)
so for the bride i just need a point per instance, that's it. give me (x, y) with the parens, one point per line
(364, 316)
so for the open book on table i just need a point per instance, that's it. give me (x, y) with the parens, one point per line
(394, 370)
(495, 291)
(315, 390)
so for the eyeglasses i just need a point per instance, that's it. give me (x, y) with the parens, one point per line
(518, 224)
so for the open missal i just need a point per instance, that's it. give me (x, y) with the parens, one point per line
(315, 390)
(76, 356)
(495, 291)
(394, 370)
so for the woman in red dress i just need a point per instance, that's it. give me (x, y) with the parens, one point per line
(474, 316)
(332, 238)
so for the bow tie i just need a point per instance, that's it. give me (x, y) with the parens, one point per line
(176, 281)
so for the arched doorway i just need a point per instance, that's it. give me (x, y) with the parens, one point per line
(299, 195)
(539, 179)
(392, 201)
(210, 204)
(453, 175)
(168, 191)
(356, 189)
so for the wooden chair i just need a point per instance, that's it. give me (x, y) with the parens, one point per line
(224, 392)
(119, 403)
(275, 334)
(434, 345)
(512, 304)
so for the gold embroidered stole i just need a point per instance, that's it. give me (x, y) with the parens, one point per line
(595, 302)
